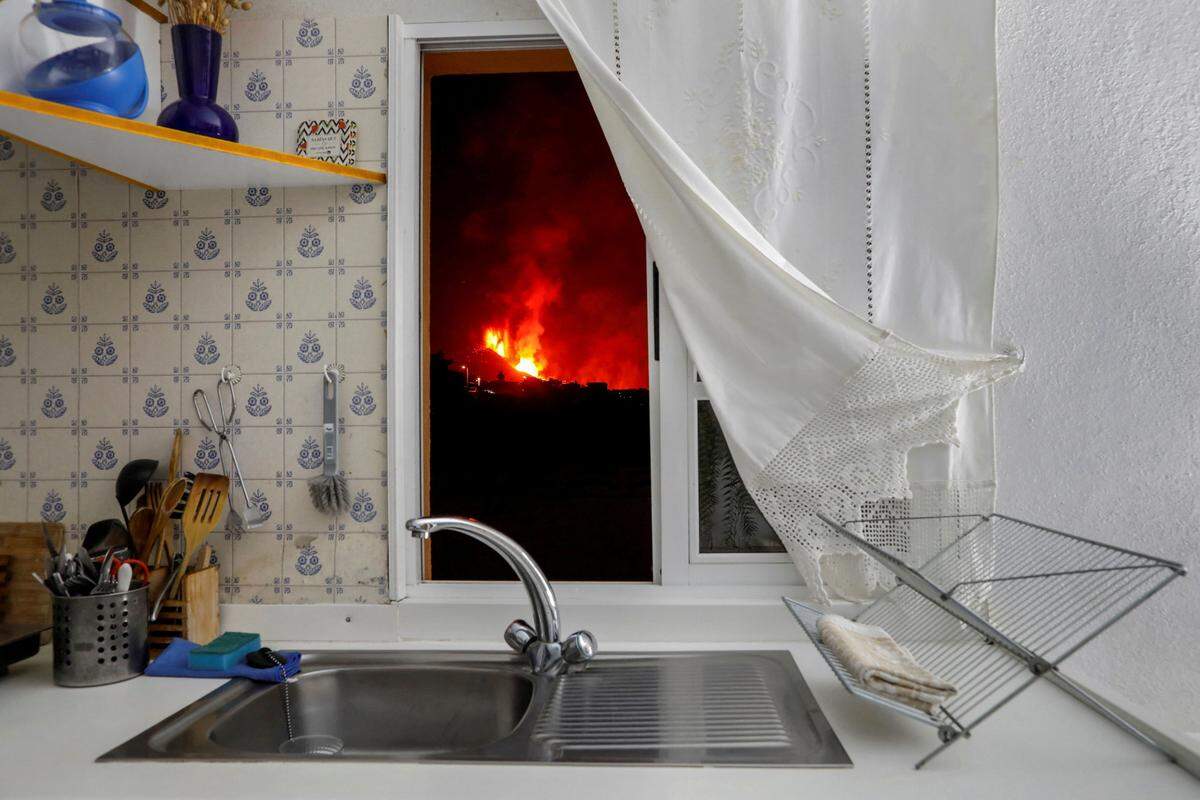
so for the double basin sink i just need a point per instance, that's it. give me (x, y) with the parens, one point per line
(718, 708)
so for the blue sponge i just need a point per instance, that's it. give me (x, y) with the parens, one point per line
(224, 652)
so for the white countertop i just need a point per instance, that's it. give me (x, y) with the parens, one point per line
(1043, 744)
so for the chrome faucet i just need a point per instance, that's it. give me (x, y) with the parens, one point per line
(539, 641)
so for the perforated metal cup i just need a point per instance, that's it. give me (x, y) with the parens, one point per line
(100, 639)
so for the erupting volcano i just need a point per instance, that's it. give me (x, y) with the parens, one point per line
(537, 335)
(537, 258)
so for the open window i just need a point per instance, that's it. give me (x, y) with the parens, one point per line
(544, 387)
(536, 332)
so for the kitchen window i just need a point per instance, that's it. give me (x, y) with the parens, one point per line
(554, 397)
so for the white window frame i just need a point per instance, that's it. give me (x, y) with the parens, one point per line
(680, 570)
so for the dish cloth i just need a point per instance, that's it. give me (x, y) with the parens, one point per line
(172, 663)
(882, 665)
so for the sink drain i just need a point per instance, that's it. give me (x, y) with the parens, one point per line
(313, 745)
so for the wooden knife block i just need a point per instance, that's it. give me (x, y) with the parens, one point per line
(195, 615)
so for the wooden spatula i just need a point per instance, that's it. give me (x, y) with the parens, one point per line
(203, 511)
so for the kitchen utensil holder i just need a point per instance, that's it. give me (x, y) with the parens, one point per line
(1000, 607)
(99, 639)
(195, 615)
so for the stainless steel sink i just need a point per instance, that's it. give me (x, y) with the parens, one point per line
(721, 708)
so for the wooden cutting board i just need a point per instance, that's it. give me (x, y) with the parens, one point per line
(22, 601)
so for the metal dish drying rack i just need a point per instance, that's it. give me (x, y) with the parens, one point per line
(1000, 607)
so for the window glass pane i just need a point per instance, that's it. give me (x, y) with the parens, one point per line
(730, 522)
(537, 339)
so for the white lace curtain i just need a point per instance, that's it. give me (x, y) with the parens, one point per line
(817, 181)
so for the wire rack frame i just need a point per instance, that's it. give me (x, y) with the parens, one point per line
(995, 610)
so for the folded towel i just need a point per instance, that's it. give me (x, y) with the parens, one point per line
(882, 665)
(173, 663)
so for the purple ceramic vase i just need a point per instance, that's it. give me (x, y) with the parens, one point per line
(197, 67)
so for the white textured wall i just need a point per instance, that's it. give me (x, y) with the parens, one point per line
(1098, 280)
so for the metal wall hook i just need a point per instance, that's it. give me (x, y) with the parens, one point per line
(231, 374)
(330, 371)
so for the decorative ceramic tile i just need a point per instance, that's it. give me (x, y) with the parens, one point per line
(14, 350)
(257, 84)
(117, 302)
(309, 85)
(361, 292)
(361, 82)
(47, 448)
(310, 200)
(103, 298)
(258, 347)
(258, 294)
(104, 350)
(309, 346)
(14, 246)
(155, 297)
(363, 452)
(103, 197)
(257, 201)
(307, 37)
(156, 348)
(308, 558)
(12, 154)
(206, 348)
(309, 292)
(206, 245)
(361, 36)
(53, 246)
(153, 203)
(256, 38)
(53, 194)
(104, 402)
(372, 133)
(53, 349)
(361, 198)
(262, 129)
(158, 402)
(368, 507)
(362, 241)
(14, 299)
(207, 296)
(14, 202)
(155, 244)
(14, 407)
(54, 403)
(102, 451)
(309, 241)
(104, 246)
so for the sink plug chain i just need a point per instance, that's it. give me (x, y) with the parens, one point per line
(287, 697)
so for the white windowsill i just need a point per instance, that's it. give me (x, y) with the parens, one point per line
(472, 613)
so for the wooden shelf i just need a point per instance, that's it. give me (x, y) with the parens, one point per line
(161, 158)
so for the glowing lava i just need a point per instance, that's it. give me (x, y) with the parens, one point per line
(526, 355)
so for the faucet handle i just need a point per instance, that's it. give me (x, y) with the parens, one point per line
(579, 647)
(519, 635)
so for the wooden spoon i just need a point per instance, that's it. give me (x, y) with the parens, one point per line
(139, 530)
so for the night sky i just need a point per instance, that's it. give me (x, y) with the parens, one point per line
(532, 230)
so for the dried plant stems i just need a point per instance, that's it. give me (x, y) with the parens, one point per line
(209, 13)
